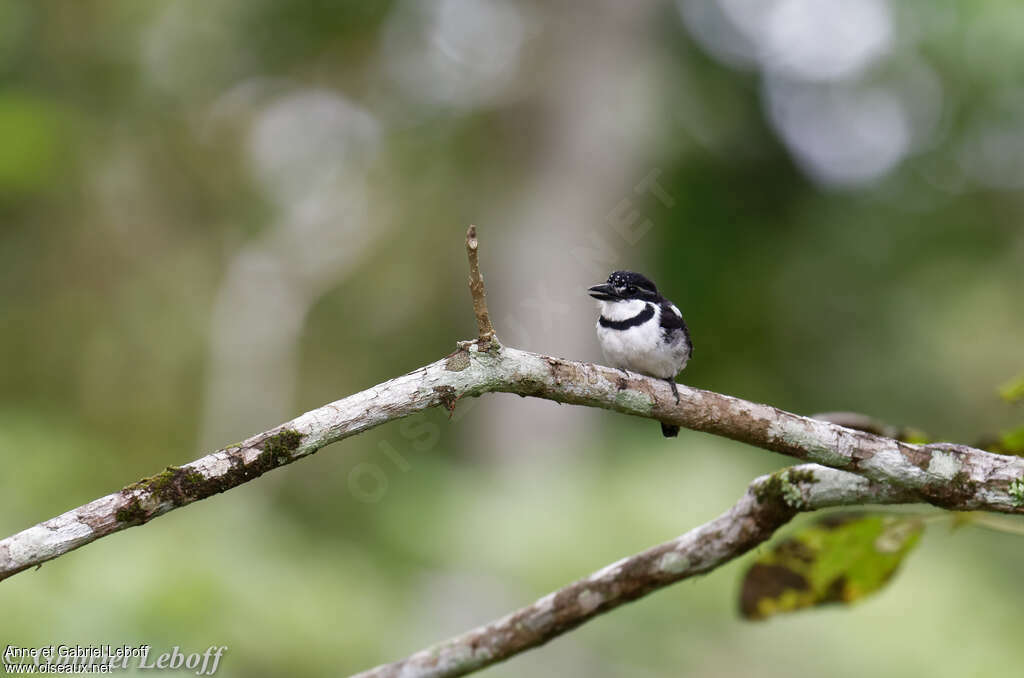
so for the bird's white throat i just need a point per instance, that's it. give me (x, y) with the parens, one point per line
(621, 309)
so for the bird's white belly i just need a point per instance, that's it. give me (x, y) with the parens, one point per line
(642, 349)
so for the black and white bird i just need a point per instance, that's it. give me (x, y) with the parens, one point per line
(642, 331)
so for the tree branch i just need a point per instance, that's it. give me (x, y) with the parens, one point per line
(770, 502)
(863, 422)
(865, 468)
(951, 476)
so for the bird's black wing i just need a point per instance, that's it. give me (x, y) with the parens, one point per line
(672, 322)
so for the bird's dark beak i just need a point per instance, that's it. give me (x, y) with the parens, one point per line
(604, 292)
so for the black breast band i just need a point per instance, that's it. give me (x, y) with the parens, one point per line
(639, 319)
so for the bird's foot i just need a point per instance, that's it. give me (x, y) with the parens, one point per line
(675, 390)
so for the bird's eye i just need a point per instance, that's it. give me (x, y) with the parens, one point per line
(631, 289)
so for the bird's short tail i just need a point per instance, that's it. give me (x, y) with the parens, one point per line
(669, 431)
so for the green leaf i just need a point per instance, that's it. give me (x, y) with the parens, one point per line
(30, 150)
(840, 559)
(1014, 390)
(1012, 442)
(1007, 442)
(914, 436)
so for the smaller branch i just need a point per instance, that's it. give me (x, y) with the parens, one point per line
(868, 424)
(769, 503)
(485, 330)
(989, 442)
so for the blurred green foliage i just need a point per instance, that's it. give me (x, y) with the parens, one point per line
(130, 188)
(30, 155)
(1013, 390)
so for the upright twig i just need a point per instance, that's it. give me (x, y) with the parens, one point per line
(485, 331)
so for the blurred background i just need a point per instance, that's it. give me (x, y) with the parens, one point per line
(216, 215)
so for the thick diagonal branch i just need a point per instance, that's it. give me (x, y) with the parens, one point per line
(770, 501)
(950, 476)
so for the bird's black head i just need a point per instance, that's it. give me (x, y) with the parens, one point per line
(625, 285)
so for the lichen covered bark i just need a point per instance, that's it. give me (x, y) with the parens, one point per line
(753, 519)
(950, 476)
